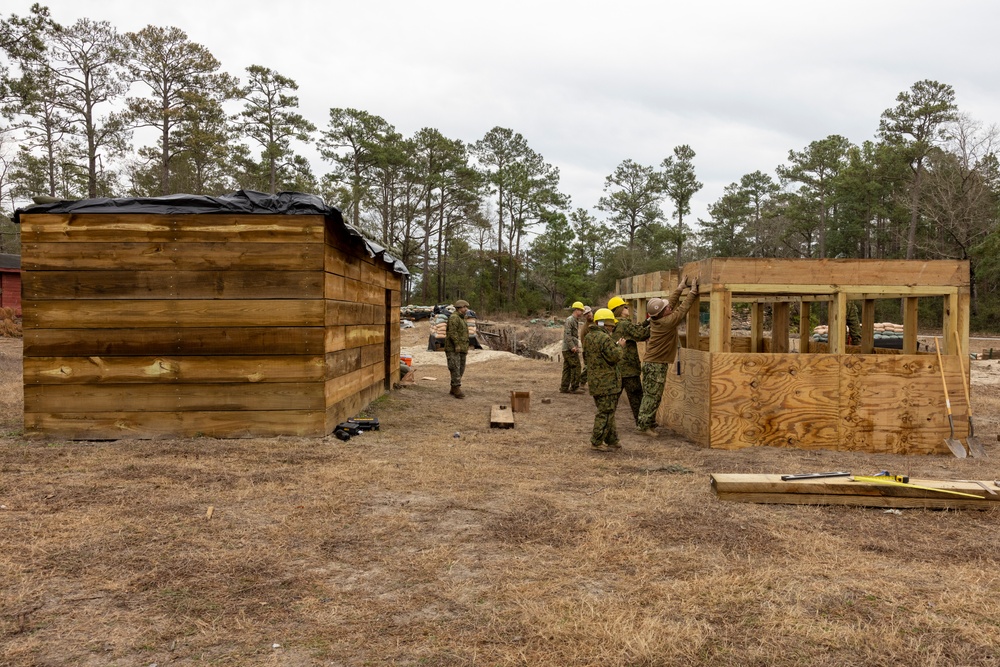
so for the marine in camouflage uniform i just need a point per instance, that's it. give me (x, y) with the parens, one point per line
(602, 355)
(456, 346)
(630, 368)
(853, 324)
(571, 353)
(660, 351)
(588, 319)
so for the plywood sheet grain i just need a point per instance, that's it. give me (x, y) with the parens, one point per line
(686, 396)
(782, 400)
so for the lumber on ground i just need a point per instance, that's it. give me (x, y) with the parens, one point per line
(501, 416)
(750, 488)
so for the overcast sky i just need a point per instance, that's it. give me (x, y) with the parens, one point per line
(590, 84)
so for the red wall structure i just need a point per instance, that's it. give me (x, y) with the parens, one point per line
(10, 283)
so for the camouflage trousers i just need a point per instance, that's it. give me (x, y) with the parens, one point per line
(456, 366)
(654, 377)
(605, 431)
(632, 387)
(570, 371)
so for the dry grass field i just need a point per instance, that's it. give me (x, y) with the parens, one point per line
(438, 541)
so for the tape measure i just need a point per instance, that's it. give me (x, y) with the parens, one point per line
(891, 481)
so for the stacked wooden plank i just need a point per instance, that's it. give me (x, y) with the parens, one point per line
(230, 325)
(749, 488)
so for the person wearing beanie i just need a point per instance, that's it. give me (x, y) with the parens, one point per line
(456, 346)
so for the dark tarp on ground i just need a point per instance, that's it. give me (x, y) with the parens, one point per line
(245, 202)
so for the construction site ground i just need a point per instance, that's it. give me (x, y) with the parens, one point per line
(439, 541)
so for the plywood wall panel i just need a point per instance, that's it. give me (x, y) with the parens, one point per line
(782, 400)
(894, 404)
(687, 398)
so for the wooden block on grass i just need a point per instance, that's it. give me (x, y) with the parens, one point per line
(520, 401)
(501, 416)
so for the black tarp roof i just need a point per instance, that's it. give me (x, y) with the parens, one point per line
(245, 202)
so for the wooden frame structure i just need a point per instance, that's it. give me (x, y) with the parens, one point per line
(157, 324)
(733, 393)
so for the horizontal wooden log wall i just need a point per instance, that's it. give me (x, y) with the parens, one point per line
(362, 308)
(872, 403)
(140, 325)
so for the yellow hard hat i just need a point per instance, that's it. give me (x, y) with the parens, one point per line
(604, 314)
(577, 306)
(615, 302)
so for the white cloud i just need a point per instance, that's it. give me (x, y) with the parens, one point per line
(590, 84)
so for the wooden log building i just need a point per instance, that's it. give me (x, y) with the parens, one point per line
(733, 392)
(241, 316)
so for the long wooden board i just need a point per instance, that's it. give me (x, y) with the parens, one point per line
(155, 313)
(184, 341)
(180, 397)
(173, 369)
(501, 416)
(91, 256)
(127, 284)
(149, 425)
(758, 488)
(142, 228)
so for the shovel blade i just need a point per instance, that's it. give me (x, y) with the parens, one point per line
(956, 448)
(975, 447)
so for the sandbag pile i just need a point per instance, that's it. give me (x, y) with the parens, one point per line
(440, 324)
(883, 331)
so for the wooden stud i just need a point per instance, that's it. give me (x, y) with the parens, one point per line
(720, 320)
(837, 333)
(757, 327)
(868, 326)
(910, 310)
(805, 326)
(694, 324)
(779, 327)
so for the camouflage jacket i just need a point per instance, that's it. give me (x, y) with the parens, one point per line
(602, 356)
(457, 338)
(629, 365)
(571, 334)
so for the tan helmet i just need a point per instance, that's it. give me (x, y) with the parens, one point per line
(603, 314)
(461, 303)
(655, 306)
(577, 305)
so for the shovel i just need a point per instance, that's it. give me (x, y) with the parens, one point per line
(954, 445)
(975, 446)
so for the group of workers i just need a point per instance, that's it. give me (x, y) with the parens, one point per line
(611, 363)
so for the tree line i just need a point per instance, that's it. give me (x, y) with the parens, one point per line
(483, 220)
